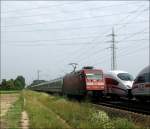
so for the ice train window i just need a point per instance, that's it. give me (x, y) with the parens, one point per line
(125, 77)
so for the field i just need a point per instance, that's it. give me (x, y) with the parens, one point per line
(36, 110)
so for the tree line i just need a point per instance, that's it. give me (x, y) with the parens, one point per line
(13, 84)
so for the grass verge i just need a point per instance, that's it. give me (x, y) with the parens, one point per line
(48, 112)
(39, 115)
(9, 91)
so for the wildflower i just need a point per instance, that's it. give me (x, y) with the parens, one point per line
(101, 120)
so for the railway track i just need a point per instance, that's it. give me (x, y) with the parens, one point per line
(123, 104)
(137, 116)
(132, 106)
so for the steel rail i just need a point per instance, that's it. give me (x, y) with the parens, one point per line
(131, 106)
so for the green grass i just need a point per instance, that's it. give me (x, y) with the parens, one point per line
(39, 115)
(9, 91)
(44, 110)
(13, 116)
(123, 124)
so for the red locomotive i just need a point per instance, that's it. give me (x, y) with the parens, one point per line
(82, 81)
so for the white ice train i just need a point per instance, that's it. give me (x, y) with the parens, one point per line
(118, 84)
(141, 85)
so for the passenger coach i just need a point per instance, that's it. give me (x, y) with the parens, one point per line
(141, 85)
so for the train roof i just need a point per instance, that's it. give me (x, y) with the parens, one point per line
(115, 72)
(47, 82)
(145, 70)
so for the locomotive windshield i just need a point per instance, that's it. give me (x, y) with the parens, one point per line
(96, 76)
(125, 77)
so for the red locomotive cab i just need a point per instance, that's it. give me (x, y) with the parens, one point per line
(94, 80)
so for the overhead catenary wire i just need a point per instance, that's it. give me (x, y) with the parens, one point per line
(121, 49)
(136, 16)
(58, 5)
(133, 34)
(104, 56)
(93, 44)
(72, 28)
(109, 30)
(81, 37)
(120, 55)
(33, 8)
(134, 51)
(40, 14)
(73, 19)
(126, 40)
(15, 44)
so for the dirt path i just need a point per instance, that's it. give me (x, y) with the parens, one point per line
(24, 120)
(6, 101)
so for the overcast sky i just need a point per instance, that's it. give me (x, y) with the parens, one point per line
(49, 35)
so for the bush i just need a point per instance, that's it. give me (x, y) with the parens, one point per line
(121, 123)
(101, 119)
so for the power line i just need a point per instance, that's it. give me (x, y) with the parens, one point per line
(108, 30)
(70, 19)
(36, 41)
(135, 50)
(33, 8)
(136, 33)
(83, 37)
(94, 52)
(135, 16)
(128, 47)
(74, 19)
(131, 40)
(122, 54)
(34, 45)
(133, 34)
(101, 50)
(73, 28)
(41, 14)
(49, 6)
